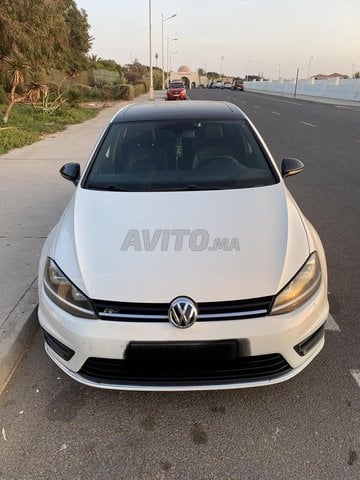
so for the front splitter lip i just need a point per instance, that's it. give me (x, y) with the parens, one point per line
(178, 388)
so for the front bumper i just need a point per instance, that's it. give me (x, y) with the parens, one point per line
(265, 336)
(176, 97)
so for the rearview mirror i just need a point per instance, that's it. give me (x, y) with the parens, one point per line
(291, 166)
(71, 171)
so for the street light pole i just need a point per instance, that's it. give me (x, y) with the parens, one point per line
(279, 71)
(221, 64)
(151, 91)
(171, 54)
(296, 82)
(247, 70)
(310, 59)
(162, 45)
(168, 55)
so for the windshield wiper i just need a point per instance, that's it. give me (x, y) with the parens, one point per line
(182, 188)
(112, 188)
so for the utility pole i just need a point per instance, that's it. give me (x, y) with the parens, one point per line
(296, 82)
(310, 59)
(162, 46)
(151, 91)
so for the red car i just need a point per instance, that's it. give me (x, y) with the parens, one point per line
(176, 91)
(238, 85)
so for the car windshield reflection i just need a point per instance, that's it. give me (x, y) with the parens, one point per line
(179, 155)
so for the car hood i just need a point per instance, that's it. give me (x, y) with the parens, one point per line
(121, 246)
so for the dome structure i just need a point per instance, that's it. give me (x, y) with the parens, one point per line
(184, 69)
(189, 78)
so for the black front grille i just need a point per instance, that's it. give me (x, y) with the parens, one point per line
(158, 312)
(244, 369)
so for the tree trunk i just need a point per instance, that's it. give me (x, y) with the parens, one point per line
(7, 112)
(10, 106)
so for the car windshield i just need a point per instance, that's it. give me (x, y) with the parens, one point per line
(175, 155)
(176, 85)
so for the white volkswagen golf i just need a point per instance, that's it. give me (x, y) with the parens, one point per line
(182, 262)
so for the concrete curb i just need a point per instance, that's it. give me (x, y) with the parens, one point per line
(17, 332)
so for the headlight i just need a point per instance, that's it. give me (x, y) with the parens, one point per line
(300, 288)
(64, 293)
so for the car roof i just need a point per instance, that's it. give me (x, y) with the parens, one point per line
(191, 109)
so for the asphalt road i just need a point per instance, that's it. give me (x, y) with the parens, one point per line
(306, 428)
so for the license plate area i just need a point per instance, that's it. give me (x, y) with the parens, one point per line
(183, 353)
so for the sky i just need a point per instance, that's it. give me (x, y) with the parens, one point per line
(240, 37)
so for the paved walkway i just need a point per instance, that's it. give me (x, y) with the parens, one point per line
(33, 196)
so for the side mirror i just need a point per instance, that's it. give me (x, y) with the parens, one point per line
(291, 166)
(71, 171)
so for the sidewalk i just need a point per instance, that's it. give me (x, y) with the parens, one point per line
(32, 199)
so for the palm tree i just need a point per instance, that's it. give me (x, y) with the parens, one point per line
(94, 61)
(15, 67)
(36, 87)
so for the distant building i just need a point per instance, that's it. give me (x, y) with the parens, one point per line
(190, 79)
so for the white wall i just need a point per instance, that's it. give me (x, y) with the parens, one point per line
(336, 88)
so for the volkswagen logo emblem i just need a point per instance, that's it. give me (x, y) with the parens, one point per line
(182, 312)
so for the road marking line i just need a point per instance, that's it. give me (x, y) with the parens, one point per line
(356, 375)
(309, 124)
(331, 324)
(256, 106)
(276, 113)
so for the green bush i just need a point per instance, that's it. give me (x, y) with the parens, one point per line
(26, 125)
(14, 137)
(126, 92)
(73, 95)
(146, 84)
(119, 92)
(96, 94)
(157, 80)
(2, 95)
(139, 89)
(92, 93)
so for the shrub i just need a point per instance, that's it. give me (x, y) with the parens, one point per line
(126, 92)
(3, 95)
(26, 124)
(146, 84)
(91, 93)
(96, 94)
(139, 89)
(74, 95)
(119, 92)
